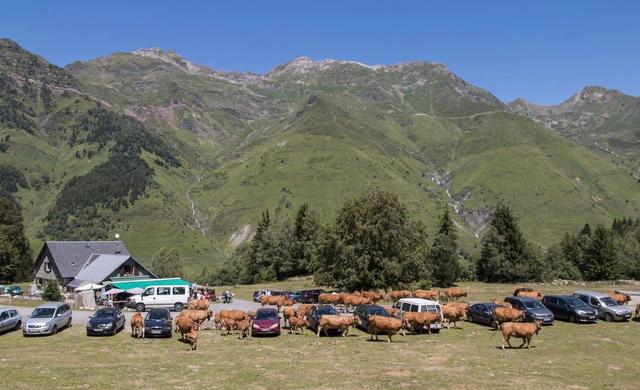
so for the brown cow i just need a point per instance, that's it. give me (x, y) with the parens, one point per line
(296, 323)
(638, 310)
(524, 331)
(415, 321)
(332, 321)
(393, 312)
(303, 309)
(621, 299)
(184, 324)
(505, 314)
(433, 295)
(198, 316)
(276, 300)
(192, 338)
(229, 324)
(227, 318)
(501, 303)
(398, 294)
(332, 299)
(137, 325)
(381, 324)
(530, 294)
(454, 292)
(203, 304)
(244, 327)
(350, 300)
(453, 313)
(287, 313)
(374, 296)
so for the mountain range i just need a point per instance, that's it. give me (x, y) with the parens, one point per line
(166, 152)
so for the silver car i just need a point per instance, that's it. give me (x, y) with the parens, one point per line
(607, 308)
(10, 319)
(47, 319)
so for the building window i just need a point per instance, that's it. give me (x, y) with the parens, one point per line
(47, 267)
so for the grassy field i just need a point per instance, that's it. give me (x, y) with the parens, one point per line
(601, 355)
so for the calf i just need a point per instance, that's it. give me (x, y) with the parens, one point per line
(380, 324)
(505, 314)
(192, 338)
(137, 325)
(287, 313)
(244, 328)
(296, 323)
(522, 330)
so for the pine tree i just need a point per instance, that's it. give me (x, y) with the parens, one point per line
(52, 291)
(444, 253)
(506, 256)
(15, 253)
(305, 236)
(601, 260)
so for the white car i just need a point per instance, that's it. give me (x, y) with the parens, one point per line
(170, 297)
(420, 305)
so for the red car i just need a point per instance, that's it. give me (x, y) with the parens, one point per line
(266, 322)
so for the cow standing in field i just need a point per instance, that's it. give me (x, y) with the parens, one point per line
(529, 294)
(302, 310)
(198, 316)
(621, 299)
(521, 330)
(501, 303)
(338, 322)
(287, 313)
(330, 299)
(277, 300)
(399, 294)
(433, 295)
(505, 314)
(137, 325)
(244, 328)
(380, 324)
(351, 300)
(187, 328)
(453, 313)
(374, 296)
(416, 321)
(296, 323)
(454, 292)
(638, 310)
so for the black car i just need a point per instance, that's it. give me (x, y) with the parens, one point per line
(363, 312)
(481, 313)
(157, 323)
(570, 308)
(533, 309)
(106, 321)
(317, 311)
(310, 296)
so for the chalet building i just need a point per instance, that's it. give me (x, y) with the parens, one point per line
(73, 263)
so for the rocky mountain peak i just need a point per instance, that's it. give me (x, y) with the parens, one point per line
(591, 94)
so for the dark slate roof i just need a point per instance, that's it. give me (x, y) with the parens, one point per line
(98, 268)
(70, 256)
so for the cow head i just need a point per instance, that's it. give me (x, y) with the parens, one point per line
(209, 314)
(538, 326)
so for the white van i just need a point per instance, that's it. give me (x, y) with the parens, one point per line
(170, 297)
(420, 305)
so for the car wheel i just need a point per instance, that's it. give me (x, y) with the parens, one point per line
(54, 330)
(572, 318)
(470, 318)
(140, 307)
(18, 325)
(70, 324)
(178, 307)
(608, 317)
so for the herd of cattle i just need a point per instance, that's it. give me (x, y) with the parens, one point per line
(511, 321)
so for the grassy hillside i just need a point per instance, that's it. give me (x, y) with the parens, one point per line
(170, 153)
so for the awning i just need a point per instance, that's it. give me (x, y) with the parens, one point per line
(144, 283)
(113, 291)
(135, 290)
(89, 286)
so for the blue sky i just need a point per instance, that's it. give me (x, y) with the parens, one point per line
(543, 51)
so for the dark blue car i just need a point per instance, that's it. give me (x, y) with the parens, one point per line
(106, 321)
(481, 313)
(570, 308)
(158, 323)
(363, 312)
(533, 309)
(317, 311)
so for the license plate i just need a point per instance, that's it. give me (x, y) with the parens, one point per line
(155, 331)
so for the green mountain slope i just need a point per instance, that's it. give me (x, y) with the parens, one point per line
(211, 150)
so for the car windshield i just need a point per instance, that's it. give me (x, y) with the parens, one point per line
(608, 301)
(266, 315)
(158, 315)
(105, 314)
(532, 305)
(43, 312)
(574, 302)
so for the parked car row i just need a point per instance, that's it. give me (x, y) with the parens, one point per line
(302, 296)
(11, 290)
(582, 306)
